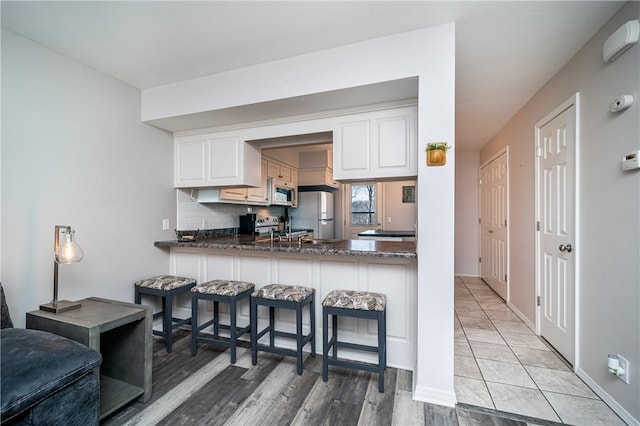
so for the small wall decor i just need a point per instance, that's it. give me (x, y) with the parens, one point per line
(409, 194)
(437, 153)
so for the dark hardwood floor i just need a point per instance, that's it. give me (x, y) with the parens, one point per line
(207, 390)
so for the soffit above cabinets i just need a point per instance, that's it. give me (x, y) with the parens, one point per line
(352, 98)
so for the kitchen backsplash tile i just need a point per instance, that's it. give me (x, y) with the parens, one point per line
(193, 215)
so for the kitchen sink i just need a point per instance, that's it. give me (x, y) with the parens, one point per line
(294, 241)
(314, 241)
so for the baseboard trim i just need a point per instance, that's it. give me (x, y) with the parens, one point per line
(608, 399)
(466, 275)
(434, 396)
(523, 317)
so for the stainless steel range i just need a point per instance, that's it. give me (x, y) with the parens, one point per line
(265, 224)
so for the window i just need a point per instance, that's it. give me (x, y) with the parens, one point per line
(363, 205)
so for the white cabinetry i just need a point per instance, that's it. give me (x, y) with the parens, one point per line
(278, 171)
(396, 278)
(215, 160)
(236, 195)
(380, 144)
(282, 172)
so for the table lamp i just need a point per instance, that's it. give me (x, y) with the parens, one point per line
(67, 252)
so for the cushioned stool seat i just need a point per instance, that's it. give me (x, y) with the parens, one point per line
(287, 297)
(226, 291)
(167, 287)
(358, 304)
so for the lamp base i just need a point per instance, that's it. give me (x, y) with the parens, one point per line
(60, 306)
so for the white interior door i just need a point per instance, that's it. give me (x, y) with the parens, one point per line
(556, 140)
(493, 223)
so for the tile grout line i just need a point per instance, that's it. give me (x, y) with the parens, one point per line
(519, 363)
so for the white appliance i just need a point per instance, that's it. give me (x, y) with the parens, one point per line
(315, 211)
(281, 193)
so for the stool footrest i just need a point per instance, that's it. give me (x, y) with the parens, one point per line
(347, 345)
(364, 366)
(177, 322)
(277, 350)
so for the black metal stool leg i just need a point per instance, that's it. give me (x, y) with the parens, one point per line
(167, 321)
(299, 338)
(233, 332)
(312, 325)
(194, 324)
(325, 345)
(254, 331)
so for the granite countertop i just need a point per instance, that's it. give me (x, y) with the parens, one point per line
(380, 233)
(388, 249)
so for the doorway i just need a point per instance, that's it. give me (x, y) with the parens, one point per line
(494, 210)
(556, 196)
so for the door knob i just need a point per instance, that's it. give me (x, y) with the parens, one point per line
(568, 248)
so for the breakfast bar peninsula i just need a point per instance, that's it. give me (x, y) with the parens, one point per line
(386, 267)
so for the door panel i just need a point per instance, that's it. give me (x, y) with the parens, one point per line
(556, 148)
(493, 224)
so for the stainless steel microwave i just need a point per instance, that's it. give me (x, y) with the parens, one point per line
(282, 193)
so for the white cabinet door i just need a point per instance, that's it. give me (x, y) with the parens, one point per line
(351, 150)
(259, 195)
(215, 160)
(294, 177)
(380, 144)
(190, 163)
(273, 170)
(224, 158)
(282, 172)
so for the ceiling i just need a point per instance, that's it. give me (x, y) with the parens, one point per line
(505, 51)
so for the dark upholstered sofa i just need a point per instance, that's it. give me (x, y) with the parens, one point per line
(46, 379)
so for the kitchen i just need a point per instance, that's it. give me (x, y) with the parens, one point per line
(312, 164)
(294, 232)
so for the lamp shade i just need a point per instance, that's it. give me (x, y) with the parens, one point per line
(69, 251)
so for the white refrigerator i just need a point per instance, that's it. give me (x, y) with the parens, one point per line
(315, 211)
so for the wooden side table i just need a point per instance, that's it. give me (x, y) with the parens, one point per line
(121, 332)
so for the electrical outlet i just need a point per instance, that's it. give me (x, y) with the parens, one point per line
(165, 224)
(624, 365)
(389, 219)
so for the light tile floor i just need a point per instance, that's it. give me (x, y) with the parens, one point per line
(501, 364)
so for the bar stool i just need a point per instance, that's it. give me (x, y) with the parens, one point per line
(287, 297)
(226, 291)
(358, 304)
(167, 287)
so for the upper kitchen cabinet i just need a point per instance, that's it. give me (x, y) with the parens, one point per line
(215, 160)
(376, 145)
(237, 195)
(286, 174)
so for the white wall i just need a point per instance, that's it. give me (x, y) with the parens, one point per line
(403, 215)
(74, 152)
(609, 211)
(428, 54)
(467, 205)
